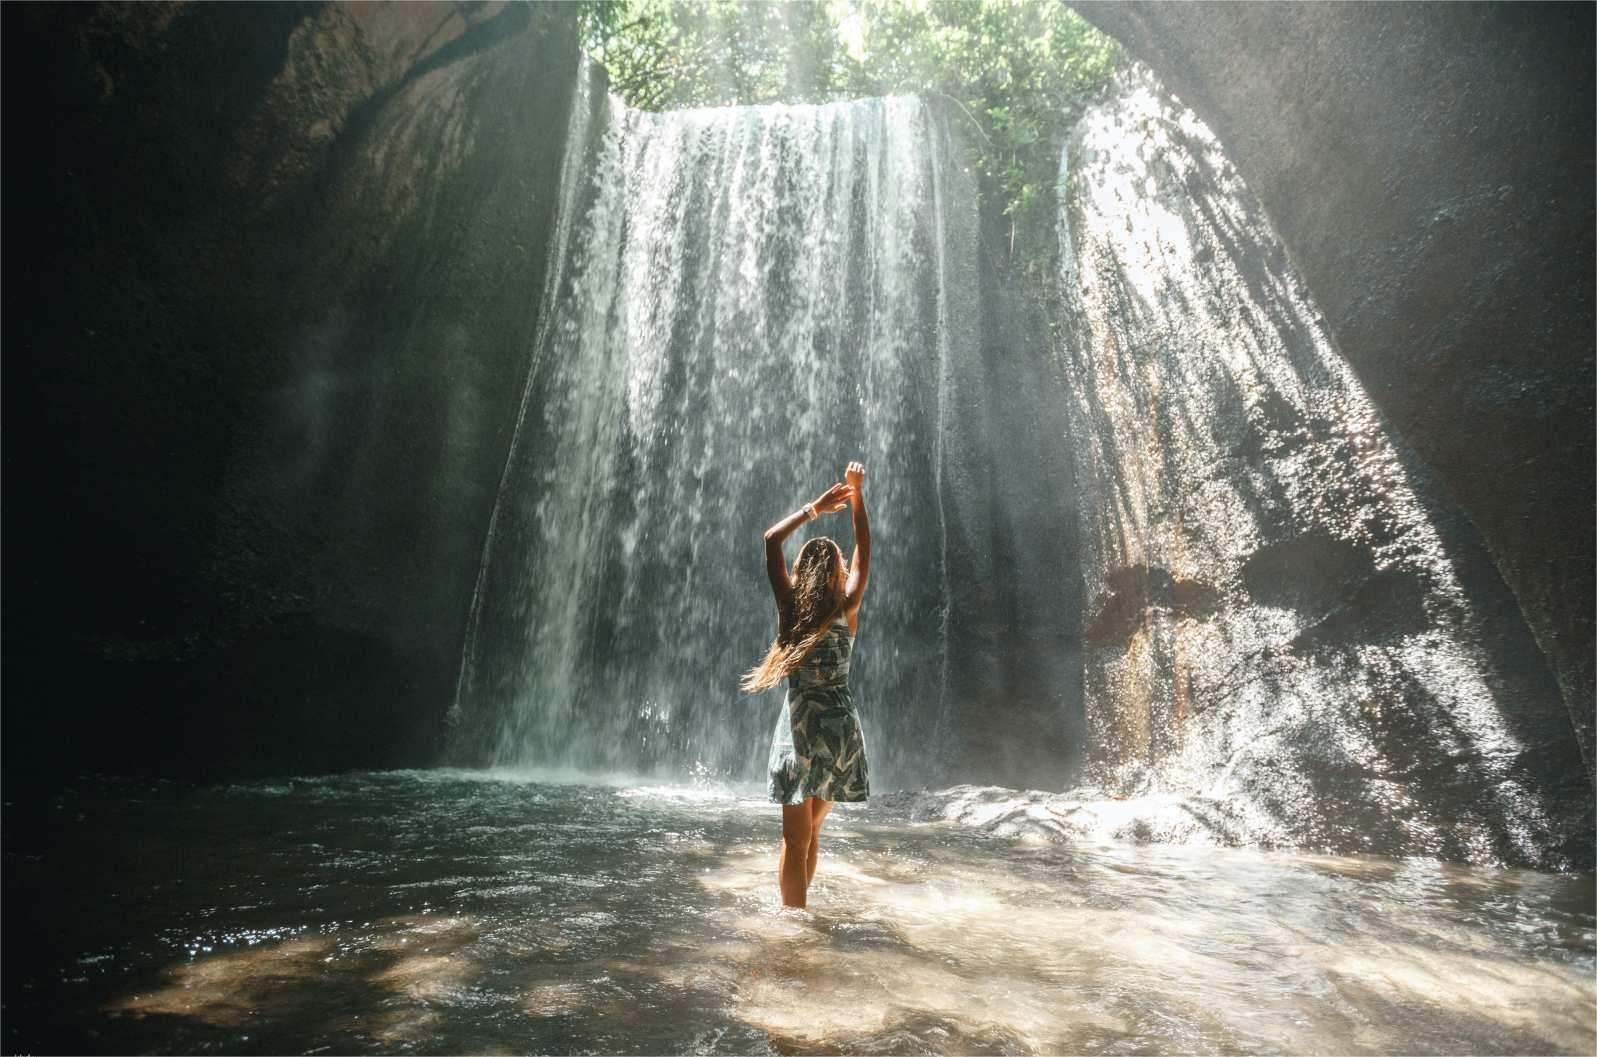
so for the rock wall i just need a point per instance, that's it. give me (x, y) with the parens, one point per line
(1429, 169)
(1292, 636)
(272, 273)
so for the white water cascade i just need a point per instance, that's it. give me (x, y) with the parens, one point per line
(747, 299)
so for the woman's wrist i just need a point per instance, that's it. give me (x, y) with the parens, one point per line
(810, 513)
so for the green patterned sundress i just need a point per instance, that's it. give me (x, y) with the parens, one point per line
(818, 748)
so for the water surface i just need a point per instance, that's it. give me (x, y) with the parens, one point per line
(463, 912)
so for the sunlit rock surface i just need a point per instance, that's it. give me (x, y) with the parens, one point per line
(1281, 629)
(1430, 168)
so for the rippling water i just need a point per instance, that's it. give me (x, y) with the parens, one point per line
(450, 911)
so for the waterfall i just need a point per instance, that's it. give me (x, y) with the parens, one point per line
(1278, 624)
(751, 297)
(578, 143)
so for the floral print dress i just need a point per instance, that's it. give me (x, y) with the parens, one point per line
(818, 748)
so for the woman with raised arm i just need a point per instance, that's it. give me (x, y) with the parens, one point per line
(818, 751)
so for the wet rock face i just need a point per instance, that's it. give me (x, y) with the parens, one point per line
(271, 283)
(1291, 634)
(1429, 168)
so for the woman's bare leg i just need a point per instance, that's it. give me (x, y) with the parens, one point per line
(792, 864)
(818, 811)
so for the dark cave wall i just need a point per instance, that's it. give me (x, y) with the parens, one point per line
(271, 279)
(1429, 168)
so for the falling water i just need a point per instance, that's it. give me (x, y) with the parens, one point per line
(753, 297)
(1279, 631)
(578, 141)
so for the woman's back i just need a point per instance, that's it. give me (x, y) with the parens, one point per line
(826, 666)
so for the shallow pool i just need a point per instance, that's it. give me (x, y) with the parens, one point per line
(460, 912)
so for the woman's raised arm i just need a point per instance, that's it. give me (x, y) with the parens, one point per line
(833, 499)
(859, 566)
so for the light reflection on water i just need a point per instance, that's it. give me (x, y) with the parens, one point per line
(462, 912)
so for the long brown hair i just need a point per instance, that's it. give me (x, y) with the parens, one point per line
(811, 609)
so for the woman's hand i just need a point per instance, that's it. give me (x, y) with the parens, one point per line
(833, 499)
(855, 476)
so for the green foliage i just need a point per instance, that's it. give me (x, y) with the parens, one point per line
(1020, 70)
(664, 54)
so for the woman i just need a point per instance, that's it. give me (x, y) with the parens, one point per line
(818, 751)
